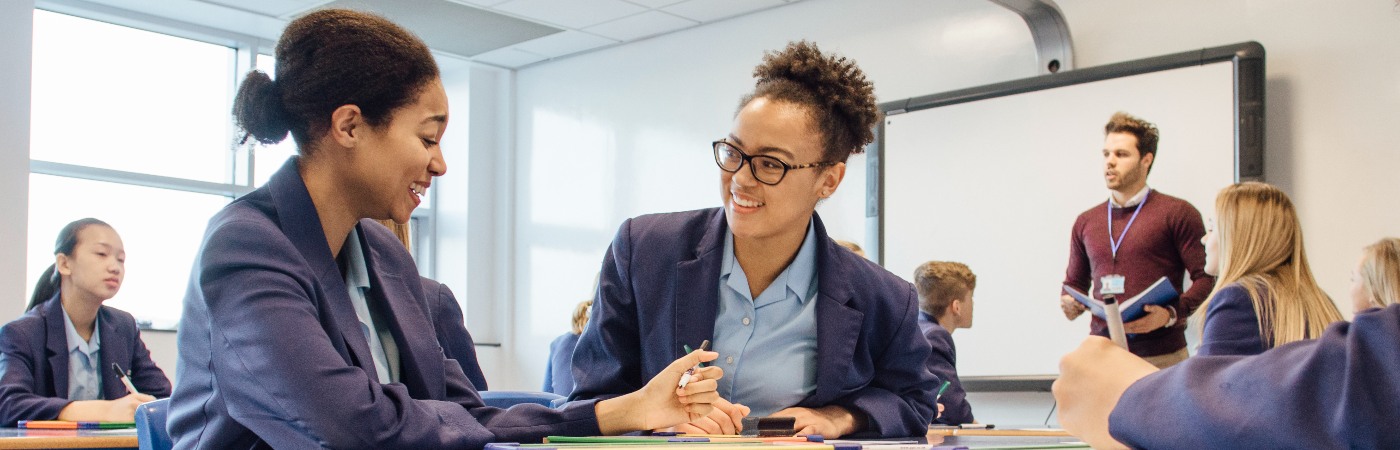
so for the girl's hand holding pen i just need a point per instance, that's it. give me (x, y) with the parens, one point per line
(661, 403)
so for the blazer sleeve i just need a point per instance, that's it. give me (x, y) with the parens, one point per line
(145, 375)
(1335, 392)
(1231, 325)
(21, 353)
(898, 402)
(453, 335)
(606, 359)
(956, 410)
(278, 369)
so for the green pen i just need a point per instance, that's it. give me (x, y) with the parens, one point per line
(942, 388)
(686, 377)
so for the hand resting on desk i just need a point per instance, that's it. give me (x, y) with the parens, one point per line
(725, 418)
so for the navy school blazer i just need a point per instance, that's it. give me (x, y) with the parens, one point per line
(34, 362)
(452, 331)
(659, 290)
(272, 356)
(1338, 391)
(944, 364)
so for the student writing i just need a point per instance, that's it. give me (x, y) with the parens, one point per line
(56, 360)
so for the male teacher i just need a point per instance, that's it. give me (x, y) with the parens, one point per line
(1138, 236)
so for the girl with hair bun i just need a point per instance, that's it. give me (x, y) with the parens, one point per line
(305, 324)
(803, 327)
(56, 360)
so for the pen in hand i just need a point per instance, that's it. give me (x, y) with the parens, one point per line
(941, 389)
(685, 378)
(130, 388)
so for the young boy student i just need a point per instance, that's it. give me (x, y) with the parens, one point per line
(945, 304)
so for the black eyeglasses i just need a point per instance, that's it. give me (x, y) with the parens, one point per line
(766, 169)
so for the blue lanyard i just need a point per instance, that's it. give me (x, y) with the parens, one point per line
(1114, 245)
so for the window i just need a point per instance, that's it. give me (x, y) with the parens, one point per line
(133, 127)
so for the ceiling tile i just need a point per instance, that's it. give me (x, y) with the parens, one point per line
(564, 43)
(654, 3)
(270, 8)
(508, 57)
(479, 2)
(642, 25)
(712, 10)
(453, 27)
(571, 13)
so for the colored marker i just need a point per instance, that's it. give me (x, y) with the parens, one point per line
(691, 371)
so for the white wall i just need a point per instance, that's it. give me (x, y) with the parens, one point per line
(16, 48)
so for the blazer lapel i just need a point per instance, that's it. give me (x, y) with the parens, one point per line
(57, 346)
(297, 217)
(695, 296)
(420, 362)
(115, 349)
(838, 322)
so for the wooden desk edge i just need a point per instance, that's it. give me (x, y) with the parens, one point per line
(69, 442)
(993, 432)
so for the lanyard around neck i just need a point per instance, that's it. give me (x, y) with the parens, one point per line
(1113, 246)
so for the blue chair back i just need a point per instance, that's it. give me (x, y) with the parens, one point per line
(150, 426)
(506, 399)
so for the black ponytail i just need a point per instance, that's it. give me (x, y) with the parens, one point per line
(50, 281)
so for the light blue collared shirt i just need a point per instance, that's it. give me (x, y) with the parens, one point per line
(84, 362)
(768, 345)
(357, 281)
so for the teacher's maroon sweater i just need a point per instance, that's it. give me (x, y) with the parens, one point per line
(1165, 240)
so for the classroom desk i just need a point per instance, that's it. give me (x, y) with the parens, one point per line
(21, 438)
(1004, 438)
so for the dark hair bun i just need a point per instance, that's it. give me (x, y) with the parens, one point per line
(258, 109)
(843, 101)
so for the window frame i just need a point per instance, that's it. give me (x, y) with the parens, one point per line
(240, 176)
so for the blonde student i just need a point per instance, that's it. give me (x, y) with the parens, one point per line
(1375, 282)
(1265, 294)
(57, 360)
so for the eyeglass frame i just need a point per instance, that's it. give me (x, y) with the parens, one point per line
(745, 158)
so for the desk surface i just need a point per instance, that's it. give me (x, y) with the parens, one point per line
(22, 438)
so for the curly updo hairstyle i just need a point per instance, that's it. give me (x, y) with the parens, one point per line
(834, 91)
(328, 59)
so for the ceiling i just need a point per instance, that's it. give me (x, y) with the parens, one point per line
(505, 33)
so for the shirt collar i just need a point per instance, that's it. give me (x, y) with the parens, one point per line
(356, 271)
(75, 341)
(799, 276)
(1132, 201)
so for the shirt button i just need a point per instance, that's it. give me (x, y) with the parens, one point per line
(746, 321)
(729, 360)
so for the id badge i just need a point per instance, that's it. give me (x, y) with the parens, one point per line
(1112, 285)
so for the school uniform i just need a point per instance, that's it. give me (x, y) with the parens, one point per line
(1231, 325)
(944, 365)
(1335, 392)
(452, 332)
(659, 290)
(558, 371)
(35, 361)
(273, 354)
